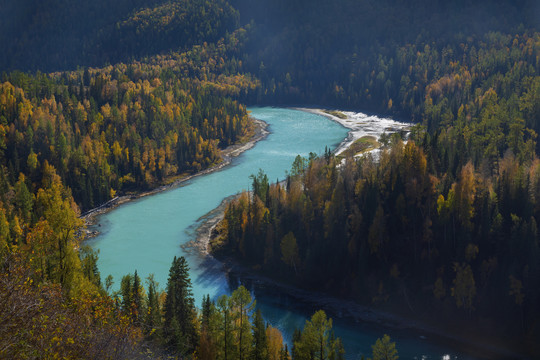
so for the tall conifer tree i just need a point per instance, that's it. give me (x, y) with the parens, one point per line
(180, 327)
(260, 342)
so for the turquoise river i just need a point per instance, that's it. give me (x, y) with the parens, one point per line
(146, 234)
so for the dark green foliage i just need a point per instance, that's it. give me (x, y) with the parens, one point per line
(317, 340)
(242, 304)
(179, 327)
(152, 325)
(61, 35)
(284, 353)
(126, 291)
(24, 200)
(361, 46)
(170, 25)
(227, 329)
(225, 325)
(260, 342)
(398, 228)
(296, 337)
(89, 258)
(132, 297)
(260, 185)
(136, 300)
(206, 311)
(383, 349)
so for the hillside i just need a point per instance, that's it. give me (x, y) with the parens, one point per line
(100, 98)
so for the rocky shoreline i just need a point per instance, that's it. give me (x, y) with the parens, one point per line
(360, 125)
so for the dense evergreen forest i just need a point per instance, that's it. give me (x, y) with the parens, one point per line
(102, 98)
(436, 228)
(55, 35)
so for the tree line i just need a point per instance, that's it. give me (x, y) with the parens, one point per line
(447, 221)
(72, 140)
(63, 35)
(379, 230)
(121, 128)
(228, 328)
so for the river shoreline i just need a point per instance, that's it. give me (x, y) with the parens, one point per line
(210, 220)
(352, 311)
(359, 125)
(260, 132)
(349, 309)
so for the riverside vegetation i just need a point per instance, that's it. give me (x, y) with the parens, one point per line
(447, 221)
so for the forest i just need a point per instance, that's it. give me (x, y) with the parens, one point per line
(227, 328)
(54, 35)
(100, 99)
(447, 219)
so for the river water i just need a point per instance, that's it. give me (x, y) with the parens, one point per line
(146, 234)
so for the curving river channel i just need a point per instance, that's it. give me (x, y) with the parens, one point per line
(146, 234)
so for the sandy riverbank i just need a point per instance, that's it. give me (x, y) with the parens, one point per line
(232, 151)
(360, 125)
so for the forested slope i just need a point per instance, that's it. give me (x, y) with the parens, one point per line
(347, 53)
(72, 140)
(121, 128)
(55, 35)
(439, 227)
(447, 222)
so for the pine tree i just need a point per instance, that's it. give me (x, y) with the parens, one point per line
(136, 299)
(179, 327)
(125, 291)
(260, 343)
(225, 340)
(284, 354)
(296, 338)
(206, 311)
(207, 347)
(337, 352)
(317, 340)
(152, 320)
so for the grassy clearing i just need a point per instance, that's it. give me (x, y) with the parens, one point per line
(336, 114)
(360, 146)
